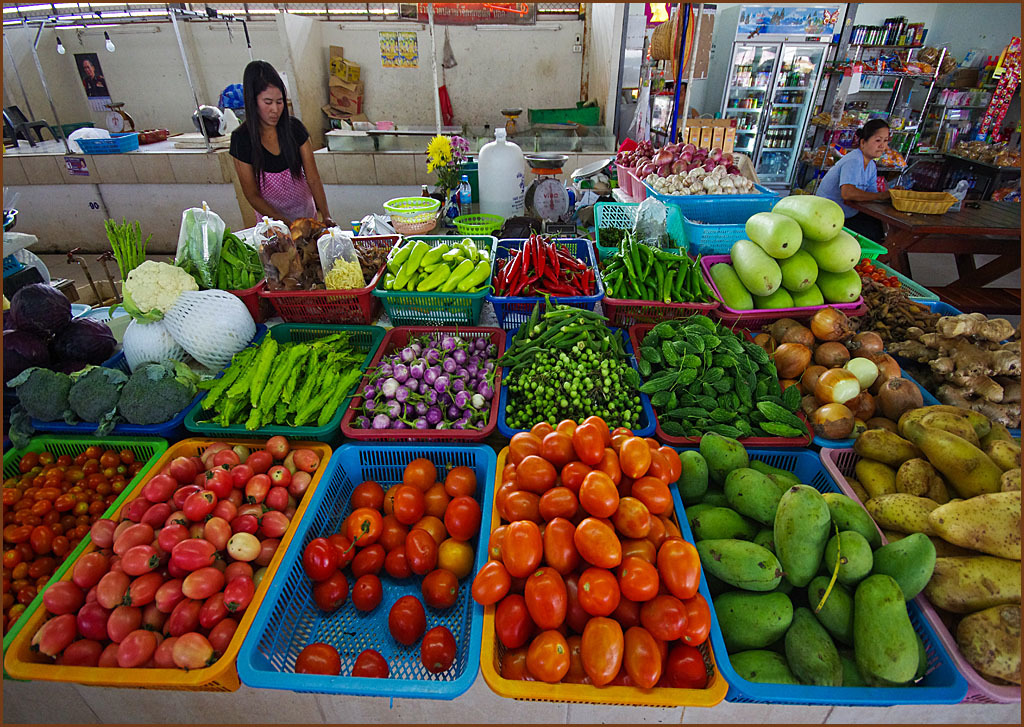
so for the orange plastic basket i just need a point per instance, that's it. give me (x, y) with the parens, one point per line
(221, 676)
(492, 651)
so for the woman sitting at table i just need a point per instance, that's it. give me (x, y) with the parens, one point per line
(854, 178)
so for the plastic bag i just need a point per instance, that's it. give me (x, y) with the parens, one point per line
(339, 260)
(278, 254)
(372, 225)
(651, 226)
(199, 243)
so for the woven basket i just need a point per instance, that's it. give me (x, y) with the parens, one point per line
(665, 39)
(922, 203)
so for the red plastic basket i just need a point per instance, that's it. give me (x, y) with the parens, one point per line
(638, 332)
(399, 338)
(357, 306)
(839, 463)
(624, 313)
(258, 306)
(754, 318)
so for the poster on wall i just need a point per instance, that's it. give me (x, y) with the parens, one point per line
(788, 20)
(471, 13)
(399, 49)
(91, 73)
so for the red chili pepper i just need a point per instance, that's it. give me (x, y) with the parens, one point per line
(541, 256)
(526, 255)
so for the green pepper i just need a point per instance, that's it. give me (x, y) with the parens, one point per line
(668, 290)
(435, 266)
(470, 249)
(476, 278)
(463, 269)
(389, 281)
(434, 254)
(412, 263)
(659, 273)
(434, 279)
(398, 256)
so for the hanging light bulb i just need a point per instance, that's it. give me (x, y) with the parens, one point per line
(60, 46)
(109, 43)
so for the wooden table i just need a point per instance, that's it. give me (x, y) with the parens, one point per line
(991, 228)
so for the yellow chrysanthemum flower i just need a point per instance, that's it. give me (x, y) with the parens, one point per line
(439, 152)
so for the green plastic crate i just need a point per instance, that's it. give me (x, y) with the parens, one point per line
(366, 338)
(408, 308)
(622, 216)
(145, 449)
(868, 248)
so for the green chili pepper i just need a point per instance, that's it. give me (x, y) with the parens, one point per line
(463, 269)
(476, 278)
(434, 279)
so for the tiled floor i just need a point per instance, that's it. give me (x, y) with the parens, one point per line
(39, 702)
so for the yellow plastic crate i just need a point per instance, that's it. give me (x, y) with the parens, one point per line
(492, 651)
(221, 676)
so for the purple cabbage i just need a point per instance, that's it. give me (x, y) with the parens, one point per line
(41, 309)
(83, 339)
(23, 350)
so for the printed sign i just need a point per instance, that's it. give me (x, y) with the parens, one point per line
(76, 166)
(95, 84)
(471, 13)
(399, 49)
(788, 20)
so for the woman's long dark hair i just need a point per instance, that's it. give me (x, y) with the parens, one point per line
(257, 77)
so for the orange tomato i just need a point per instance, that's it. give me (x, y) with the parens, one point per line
(597, 543)
(675, 465)
(521, 446)
(557, 448)
(609, 464)
(598, 591)
(588, 443)
(601, 649)
(602, 426)
(547, 658)
(632, 518)
(634, 457)
(521, 505)
(639, 548)
(573, 474)
(642, 657)
(598, 495)
(546, 598)
(653, 493)
(535, 474)
(566, 426)
(460, 481)
(638, 579)
(541, 430)
(522, 548)
(558, 502)
(420, 473)
(559, 548)
(679, 567)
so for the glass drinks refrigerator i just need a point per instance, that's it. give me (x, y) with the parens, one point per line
(770, 91)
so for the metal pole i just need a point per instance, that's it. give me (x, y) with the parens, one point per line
(14, 65)
(46, 88)
(248, 42)
(684, 22)
(433, 67)
(188, 76)
(693, 63)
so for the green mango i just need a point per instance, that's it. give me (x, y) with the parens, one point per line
(848, 514)
(723, 455)
(740, 563)
(801, 532)
(764, 667)
(718, 523)
(810, 652)
(836, 614)
(884, 642)
(854, 555)
(693, 478)
(752, 620)
(910, 561)
(752, 494)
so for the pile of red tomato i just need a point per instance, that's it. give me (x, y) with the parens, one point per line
(591, 578)
(420, 527)
(166, 586)
(48, 509)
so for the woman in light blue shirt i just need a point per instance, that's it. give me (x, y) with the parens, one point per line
(854, 178)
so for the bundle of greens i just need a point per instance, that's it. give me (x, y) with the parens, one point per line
(127, 244)
(289, 384)
(239, 267)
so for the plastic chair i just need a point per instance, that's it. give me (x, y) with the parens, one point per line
(17, 126)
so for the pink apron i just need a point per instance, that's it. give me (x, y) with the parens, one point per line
(287, 194)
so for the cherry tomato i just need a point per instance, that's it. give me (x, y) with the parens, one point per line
(407, 620)
(559, 548)
(599, 592)
(638, 579)
(491, 583)
(597, 543)
(679, 567)
(642, 657)
(698, 620)
(440, 588)
(601, 649)
(522, 548)
(546, 598)
(460, 481)
(371, 664)
(420, 473)
(367, 592)
(547, 658)
(684, 668)
(318, 658)
(437, 652)
(320, 559)
(462, 517)
(512, 622)
(331, 594)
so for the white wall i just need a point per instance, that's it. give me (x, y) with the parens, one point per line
(985, 26)
(525, 67)
(604, 47)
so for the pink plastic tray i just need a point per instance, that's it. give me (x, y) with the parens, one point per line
(639, 193)
(839, 463)
(759, 317)
(625, 178)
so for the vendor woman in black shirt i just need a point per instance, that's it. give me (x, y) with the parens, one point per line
(273, 154)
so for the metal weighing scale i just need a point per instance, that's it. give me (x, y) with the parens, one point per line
(510, 124)
(547, 197)
(118, 120)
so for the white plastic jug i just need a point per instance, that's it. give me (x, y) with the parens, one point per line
(502, 177)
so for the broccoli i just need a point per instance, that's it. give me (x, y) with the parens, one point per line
(156, 392)
(43, 393)
(94, 396)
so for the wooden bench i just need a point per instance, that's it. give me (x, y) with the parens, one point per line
(981, 300)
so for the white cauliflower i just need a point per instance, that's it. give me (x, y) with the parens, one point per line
(151, 289)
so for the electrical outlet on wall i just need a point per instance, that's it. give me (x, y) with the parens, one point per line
(577, 44)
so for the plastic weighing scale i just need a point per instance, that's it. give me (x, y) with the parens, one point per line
(547, 197)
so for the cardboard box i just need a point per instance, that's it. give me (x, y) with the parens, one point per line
(711, 133)
(717, 136)
(346, 97)
(342, 68)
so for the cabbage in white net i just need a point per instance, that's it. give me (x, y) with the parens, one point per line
(211, 325)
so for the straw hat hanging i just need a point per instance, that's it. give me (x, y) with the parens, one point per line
(665, 39)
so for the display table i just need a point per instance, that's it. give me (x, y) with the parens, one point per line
(991, 228)
(990, 176)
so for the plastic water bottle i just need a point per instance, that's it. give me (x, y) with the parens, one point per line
(502, 177)
(465, 194)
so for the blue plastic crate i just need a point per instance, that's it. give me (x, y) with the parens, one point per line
(167, 430)
(926, 396)
(943, 684)
(116, 144)
(288, 619)
(714, 222)
(12, 265)
(513, 312)
(645, 428)
(937, 306)
(622, 216)
(692, 204)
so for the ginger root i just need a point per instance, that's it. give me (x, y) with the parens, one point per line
(1005, 414)
(977, 325)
